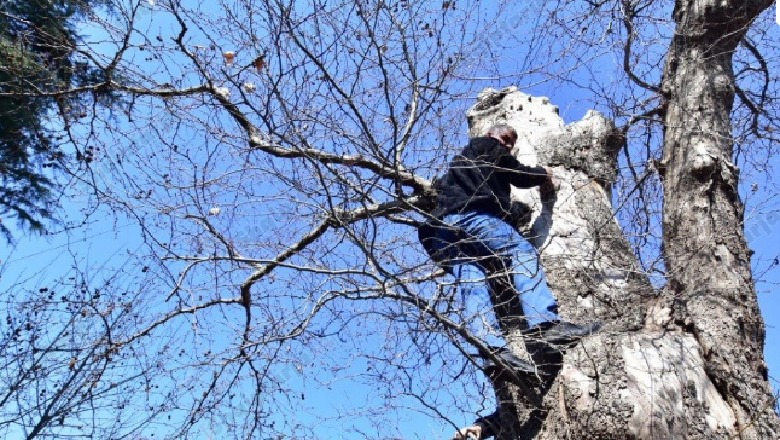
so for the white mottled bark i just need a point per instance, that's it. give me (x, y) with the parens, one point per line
(649, 374)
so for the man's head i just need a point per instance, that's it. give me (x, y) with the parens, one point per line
(504, 134)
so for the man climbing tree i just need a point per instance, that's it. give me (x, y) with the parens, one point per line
(471, 236)
(471, 231)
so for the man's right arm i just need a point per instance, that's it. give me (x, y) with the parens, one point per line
(520, 175)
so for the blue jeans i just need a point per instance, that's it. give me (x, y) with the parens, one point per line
(475, 239)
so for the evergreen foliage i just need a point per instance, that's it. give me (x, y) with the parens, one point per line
(37, 43)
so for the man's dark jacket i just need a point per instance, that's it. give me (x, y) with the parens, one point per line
(480, 178)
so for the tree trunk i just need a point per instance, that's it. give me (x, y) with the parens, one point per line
(686, 362)
(710, 286)
(592, 271)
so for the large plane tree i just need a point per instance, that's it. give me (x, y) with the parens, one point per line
(274, 158)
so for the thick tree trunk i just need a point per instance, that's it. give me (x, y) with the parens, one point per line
(686, 362)
(592, 271)
(710, 288)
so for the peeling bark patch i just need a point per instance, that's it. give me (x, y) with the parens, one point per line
(579, 384)
(666, 382)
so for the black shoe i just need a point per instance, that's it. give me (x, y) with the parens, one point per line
(517, 365)
(562, 333)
